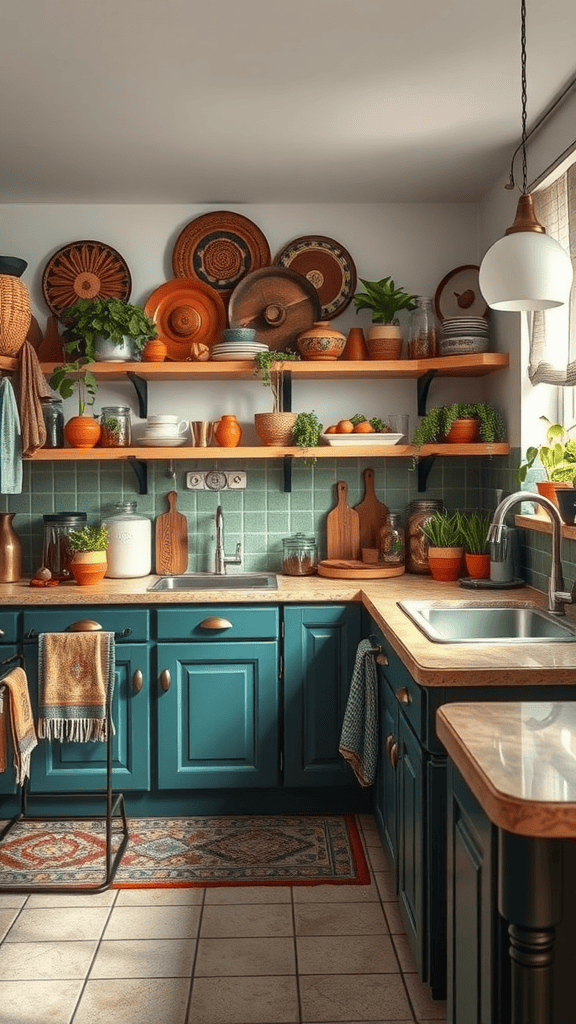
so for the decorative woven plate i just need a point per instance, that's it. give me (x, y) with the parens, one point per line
(85, 270)
(220, 249)
(458, 294)
(327, 265)
(186, 310)
(278, 303)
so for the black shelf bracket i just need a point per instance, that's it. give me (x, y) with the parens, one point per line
(288, 460)
(422, 389)
(287, 391)
(424, 466)
(141, 470)
(141, 389)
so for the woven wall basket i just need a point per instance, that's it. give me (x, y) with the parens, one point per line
(15, 314)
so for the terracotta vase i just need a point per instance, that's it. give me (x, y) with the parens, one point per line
(445, 563)
(10, 550)
(321, 341)
(477, 566)
(89, 567)
(464, 431)
(356, 347)
(384, 341)
(548, 489)
(228, 432)
(154, 351)
(275, 428)
(82, 432)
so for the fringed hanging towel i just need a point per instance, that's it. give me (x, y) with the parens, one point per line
(359, 739)
(76, 682)
(16, 714)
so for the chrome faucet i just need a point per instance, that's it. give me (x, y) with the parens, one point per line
(557, 596)
(220, 559)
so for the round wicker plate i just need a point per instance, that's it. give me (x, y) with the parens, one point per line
(186, 310)
(85, 270)
(219, 249)
(327, 265)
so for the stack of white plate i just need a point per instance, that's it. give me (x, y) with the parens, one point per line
(464, 335)
(230, 350)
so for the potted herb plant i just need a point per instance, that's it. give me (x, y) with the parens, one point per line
(89, 563)
(557, 457)
(474, 528)
(385, 300)
(461, 424)
(306, 433)
(445, 549)
(80, 431)
(108, 330)
(274, 428)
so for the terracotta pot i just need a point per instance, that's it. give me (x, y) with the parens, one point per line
(82, 432)
(154, 351)
(89, 567)
(477, 566)
(356, 347)
(464, 431)
(321, 341)
(384, 341)
(548, 489)
(275, 428)
(445, 563)
(228, 432)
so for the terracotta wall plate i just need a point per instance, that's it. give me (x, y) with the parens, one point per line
(219, 249)
(459, 295)
(186, 310)
(327, 265)
(278, 303)
(85, 270)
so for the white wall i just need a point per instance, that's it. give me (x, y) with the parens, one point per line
(417, 244)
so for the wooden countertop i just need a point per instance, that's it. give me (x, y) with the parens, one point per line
(519, 760)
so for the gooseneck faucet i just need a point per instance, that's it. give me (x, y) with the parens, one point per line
(557, 596)
(220, 559)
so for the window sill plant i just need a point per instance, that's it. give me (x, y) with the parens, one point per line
(89, 562)
(385, 300)
(445, 548)
(107, 330)
(474, 527)
(558, 459)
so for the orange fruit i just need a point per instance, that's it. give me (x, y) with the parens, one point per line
(344, 427)
(365, 427)
(331, 430)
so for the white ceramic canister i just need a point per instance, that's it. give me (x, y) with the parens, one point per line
(129, 552)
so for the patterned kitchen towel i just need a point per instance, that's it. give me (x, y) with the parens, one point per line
(76, 681)
(10, 441)
(16, 712)
(359, 738)
(32, 387)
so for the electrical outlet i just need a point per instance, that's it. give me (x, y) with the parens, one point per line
(236, 480)
(195, 482)
(216, 480)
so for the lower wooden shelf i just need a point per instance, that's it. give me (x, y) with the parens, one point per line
(264, 452)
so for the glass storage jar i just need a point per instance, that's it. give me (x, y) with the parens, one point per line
(392, 543)
(300, 555)
(53, 415)
(423, 333)
(419, 512)
(129, 553)
(57, 553)
(116, 427)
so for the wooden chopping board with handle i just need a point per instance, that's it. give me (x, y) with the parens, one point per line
(343, 527)
(171, 540)
(372, 513)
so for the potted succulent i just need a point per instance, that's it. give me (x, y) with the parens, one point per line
(474, 528)
(445, 549)
(558, 459)
(460, 423)
(385, 300)
(80, 431)
(274, 428)
(89, 563)
(108, 330)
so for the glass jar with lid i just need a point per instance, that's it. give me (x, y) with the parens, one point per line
(300, 555)
(392, 543)
(57, 554)
(419, 512)
(116, 427)
(53, 415)
(129, 553)
(423, 332)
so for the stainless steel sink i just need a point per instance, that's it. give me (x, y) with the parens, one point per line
(214, 581)
(459, 623)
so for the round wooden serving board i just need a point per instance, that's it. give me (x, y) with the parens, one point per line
(349, 569)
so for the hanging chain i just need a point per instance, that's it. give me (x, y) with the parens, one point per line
(524, 95)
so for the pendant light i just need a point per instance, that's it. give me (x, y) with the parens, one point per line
(525, 270)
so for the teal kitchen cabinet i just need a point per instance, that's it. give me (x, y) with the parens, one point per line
(320, 644)
(217, 697)
(9, 623)
(81, 767)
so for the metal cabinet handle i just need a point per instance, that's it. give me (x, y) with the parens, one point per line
(215, 622)
(403, 695)
(389, 742)
(83, 626)
(381, 659)
(393, 758)
(1, 632)
(165, 680)
(137, 681)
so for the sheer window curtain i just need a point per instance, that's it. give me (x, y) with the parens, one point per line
(553, 333)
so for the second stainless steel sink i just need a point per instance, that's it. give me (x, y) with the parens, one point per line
(452, 623)
(215, 581)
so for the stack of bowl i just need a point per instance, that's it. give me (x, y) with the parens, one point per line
(237, 343)
(164, 431)
(464, 336)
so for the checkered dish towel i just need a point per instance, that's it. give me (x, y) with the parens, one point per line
(76, 681)
(359, 739)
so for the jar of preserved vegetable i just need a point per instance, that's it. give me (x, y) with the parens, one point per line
(129, 552)
(53, 414)
(116, 427)
(57, 554)
(423, 331)
(417, 513)
(392, 544)
(300, 555)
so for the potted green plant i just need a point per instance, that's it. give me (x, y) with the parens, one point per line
(107, 330)
(461, 423)
(474, 528)
(306, 433)
(557, 457)
(274, 428)
(80, 431)
(385, 300)
(89, 563)
(445, 549)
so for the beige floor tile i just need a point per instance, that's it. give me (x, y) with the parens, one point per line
(366, 820)
(36, 1002)
(425, 1008)
(183, 896)
(405, 954)
(236, 921)
(346, 954)
(377, 859)
(53, 899)
(394, 918)
(12, 900)
(66, 923)
(386, 886)
(271, 1000)
(7, 918)
(144, 958)
(153, 923)
(134, 1001)
(340, 919)
(357, 997)
(336, 893)
(248, 894)
(372, 838)
(245, 957)
(48, 961)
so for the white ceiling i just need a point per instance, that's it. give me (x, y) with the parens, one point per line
(269, 101)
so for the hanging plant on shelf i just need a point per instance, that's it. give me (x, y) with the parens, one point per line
(270, 369)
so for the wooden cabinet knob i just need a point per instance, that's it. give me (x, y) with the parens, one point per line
(137, 681)
(394, 754)
(381, 659)
(165, 680)
(403, 696)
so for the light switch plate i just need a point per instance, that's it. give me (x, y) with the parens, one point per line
(195, 481)
(216, 480)
(236, 480)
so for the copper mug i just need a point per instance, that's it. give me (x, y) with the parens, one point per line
(202, 432)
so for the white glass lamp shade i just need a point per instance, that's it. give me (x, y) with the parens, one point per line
(526, 270)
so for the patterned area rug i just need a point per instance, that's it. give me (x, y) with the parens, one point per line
(199, 851)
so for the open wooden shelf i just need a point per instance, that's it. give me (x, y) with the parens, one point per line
(264, 452)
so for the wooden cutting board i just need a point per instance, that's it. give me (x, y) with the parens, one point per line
(372, 513)
(171, 540)
(343, 527)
